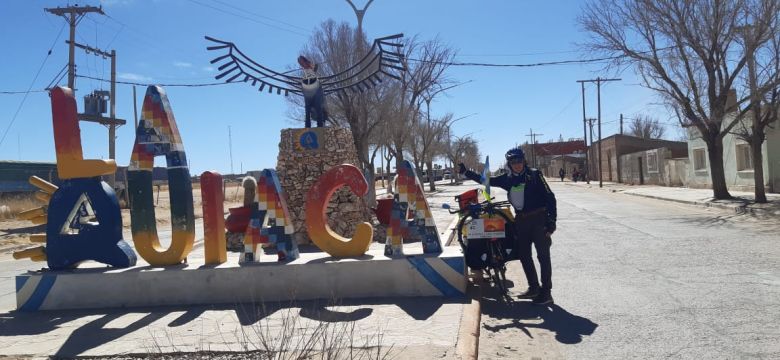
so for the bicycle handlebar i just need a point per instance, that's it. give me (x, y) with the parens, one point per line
(482, 206)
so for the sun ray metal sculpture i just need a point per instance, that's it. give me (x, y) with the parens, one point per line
(384, 58)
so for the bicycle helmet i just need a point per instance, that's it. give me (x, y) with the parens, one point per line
(515, 154)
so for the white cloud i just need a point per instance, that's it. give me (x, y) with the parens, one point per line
(181, 64)
(133, 77)
(208, 68)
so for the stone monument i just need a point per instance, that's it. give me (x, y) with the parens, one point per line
(304, 155)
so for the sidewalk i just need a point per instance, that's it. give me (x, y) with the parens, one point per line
(404, 328)
(742, 203)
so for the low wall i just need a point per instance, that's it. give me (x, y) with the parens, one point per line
(312, 276)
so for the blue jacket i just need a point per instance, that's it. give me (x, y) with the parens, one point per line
(537, 193)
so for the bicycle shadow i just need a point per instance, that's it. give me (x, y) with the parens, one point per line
(568, 328)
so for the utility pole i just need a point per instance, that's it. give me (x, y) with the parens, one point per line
(230, 146)
(585, 136)
(598, 82)
(70, 14)
(533, 136)
(135, 111)
(590, 124)
(621, 124)
(112, 122)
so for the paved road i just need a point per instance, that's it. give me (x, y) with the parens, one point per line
(643, 278)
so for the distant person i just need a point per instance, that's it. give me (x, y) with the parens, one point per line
(562, 173)
(535, 216)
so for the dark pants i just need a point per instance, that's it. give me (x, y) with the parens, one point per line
(530, 228)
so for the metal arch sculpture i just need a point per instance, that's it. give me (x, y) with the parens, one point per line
(382, 59)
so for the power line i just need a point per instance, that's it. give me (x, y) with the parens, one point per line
(29, 88)
(20, 92)
(57, 78)
(562, 62)
(247, 18)
(520, 54)
(149, 84)
(261, 16)
(173, 85)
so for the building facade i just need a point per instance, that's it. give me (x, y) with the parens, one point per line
(664, 166)
(615, 146)
(737, 159)
(547, 157)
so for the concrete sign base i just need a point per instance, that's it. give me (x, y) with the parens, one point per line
(312, 276)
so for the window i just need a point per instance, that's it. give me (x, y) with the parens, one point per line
(744, 157)
(699, 160)
(652, 161)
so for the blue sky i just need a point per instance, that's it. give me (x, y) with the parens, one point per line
(161, 41)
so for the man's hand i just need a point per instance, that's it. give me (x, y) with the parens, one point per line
(550, 226)
(461, 168)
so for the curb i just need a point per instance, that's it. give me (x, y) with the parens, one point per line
(467, 346)
(451, 229)
(737, 209)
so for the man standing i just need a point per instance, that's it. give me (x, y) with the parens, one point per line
(535, 217)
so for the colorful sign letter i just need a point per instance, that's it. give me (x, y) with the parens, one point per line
(271, 204)
(157, 135)
(316, 205)
(83, 221)
(213, 198)
(411, 197)
(67, 140)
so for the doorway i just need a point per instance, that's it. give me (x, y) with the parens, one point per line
(641, 173)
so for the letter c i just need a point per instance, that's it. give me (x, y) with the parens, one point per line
(316, 205)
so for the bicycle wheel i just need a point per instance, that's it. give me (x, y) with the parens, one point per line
(498, 267)
(473, 251)
(461, 225)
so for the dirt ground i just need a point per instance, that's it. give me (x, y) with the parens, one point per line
(15, 233)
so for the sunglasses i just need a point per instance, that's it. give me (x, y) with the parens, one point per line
(515, 161)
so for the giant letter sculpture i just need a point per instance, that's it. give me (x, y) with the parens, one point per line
(213, 199)
(316, 204)
(272, 203)
(410, 196)
(158, 135)
(83, 220)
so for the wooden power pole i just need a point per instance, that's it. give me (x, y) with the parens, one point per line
(71, 14)
(112, 122)
(585, 136)
(598, 82)
(533, 136)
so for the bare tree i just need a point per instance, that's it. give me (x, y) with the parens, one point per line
(337, 47)
(462, 149)
(426, 64)
(430, 136)
(686, 51)
(646, 127)
(763, 69)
